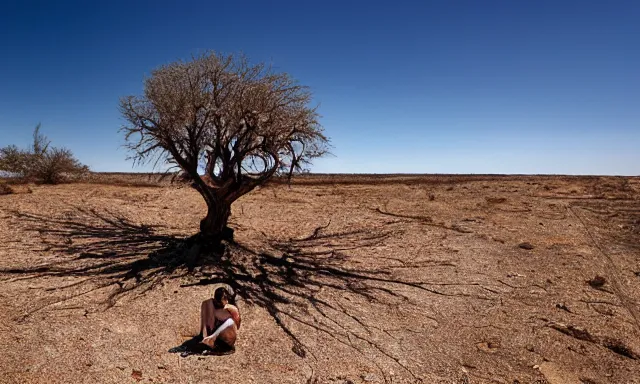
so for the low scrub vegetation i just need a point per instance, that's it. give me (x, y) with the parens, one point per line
(41, 162)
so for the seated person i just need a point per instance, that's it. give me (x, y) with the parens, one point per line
(219, 321)
(219, 324)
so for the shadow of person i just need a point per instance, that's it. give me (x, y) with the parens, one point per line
(194, 346)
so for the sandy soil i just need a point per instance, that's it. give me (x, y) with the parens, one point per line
(340, 280)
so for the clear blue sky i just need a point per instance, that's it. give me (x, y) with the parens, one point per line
(410, 87)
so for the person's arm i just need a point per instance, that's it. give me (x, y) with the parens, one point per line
(235, 314)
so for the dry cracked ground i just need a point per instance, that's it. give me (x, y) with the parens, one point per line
(431, 279)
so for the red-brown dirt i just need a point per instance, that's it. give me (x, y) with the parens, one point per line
(341, 279)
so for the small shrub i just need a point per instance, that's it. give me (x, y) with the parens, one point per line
(41, 162)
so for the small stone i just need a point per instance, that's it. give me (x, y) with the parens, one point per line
(536, 367)
(137, 375)
(489, 347)
(525, 245)
(597, 282)
(369, 377)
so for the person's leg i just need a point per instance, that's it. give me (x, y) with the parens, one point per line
(207, 317)
(228, 338)
(224, 342)
(224, 331)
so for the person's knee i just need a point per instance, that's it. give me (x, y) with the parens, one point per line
(205, 305)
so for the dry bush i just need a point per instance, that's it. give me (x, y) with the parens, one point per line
(41, 162)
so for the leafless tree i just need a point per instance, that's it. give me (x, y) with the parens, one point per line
(226, 124)
(41, 162)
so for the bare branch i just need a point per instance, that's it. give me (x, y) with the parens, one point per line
(238, 123)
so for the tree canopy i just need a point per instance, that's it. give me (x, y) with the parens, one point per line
(228, 125)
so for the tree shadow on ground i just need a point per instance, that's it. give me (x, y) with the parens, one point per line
(286, 278)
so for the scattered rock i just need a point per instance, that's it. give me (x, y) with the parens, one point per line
(136, 375)
(432, 197)
(525, 245)
(597, 282)
(460, 229)
(495, 200)
(563, 307)
(369, 377)
(574, 331)
(488, 346)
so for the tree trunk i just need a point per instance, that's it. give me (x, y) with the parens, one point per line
(214, 226)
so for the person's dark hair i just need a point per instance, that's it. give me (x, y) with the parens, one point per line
(218, 295)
